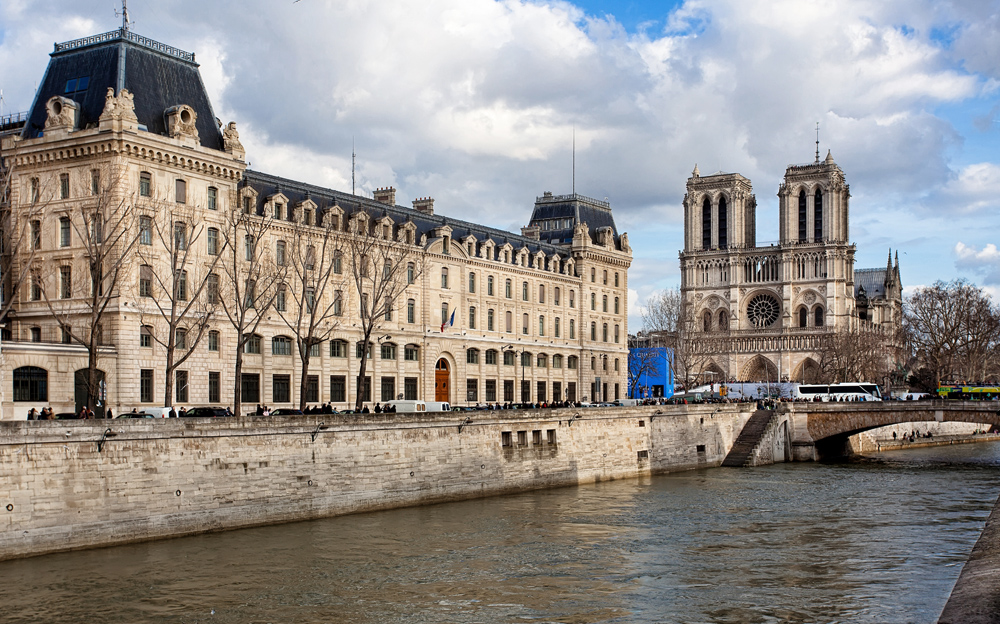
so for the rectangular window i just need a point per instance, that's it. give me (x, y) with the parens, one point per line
(250, 388)
(508, 390)
(212, 288)
(491, 390)
(522, 436)
(411, 310)
(281, 388)
(472, 282)
(388, 388)
(524, 291)
(410, 389)
(571, 391)
(65, 232)
(145, 230)
(366, 390)
(338, 388)
(557, 327)
(145, 281)
(506, 439)
(489, 285)
(95, 182)
(550, 436)
(471, 390)
(181, 383)
(312, 389)
(541, 392)
(145, 337)
(214, 387)
(572, 329)
(388, 352)
(180, 191)
(145, 184)
(64, 186)
(525, 391)
(556, 390)
(65, 282)
(213, 340)
(507, 289)
(213, 198)
(146, 385)
(182, 292)
(472, 317)
(213, 241)
(338, 349)
(36, 234)
(490, 324)
(536, 437)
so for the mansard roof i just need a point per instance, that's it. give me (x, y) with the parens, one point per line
(581, 209)
(267, 185)
(158, 76)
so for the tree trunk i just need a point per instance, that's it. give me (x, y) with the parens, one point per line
(359, 396)
(303, 378)
(238, 383)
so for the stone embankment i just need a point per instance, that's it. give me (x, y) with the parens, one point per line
(79, 484)
(975, 598)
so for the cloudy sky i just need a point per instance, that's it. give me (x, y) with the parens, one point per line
(474, 102)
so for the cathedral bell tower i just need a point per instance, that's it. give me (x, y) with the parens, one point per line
(813, 204)
(719, 212)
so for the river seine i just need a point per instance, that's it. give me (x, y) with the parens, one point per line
(879, 541)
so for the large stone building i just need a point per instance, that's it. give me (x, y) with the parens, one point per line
(123, 125)
(758, 312)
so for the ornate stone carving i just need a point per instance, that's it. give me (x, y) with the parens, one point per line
(624, 241)
(181, 122)
(699, 296)
(714, 301)
(581, 231)
(63, 114)
(231, 141)
(119, 111)
(810, 297)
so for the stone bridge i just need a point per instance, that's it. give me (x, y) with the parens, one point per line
(813, 431)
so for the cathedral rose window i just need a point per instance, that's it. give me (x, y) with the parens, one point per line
(763, 310)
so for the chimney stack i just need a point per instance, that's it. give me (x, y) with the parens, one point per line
(424, 205)
(386, 195)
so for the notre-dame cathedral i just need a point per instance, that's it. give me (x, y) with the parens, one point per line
(766, 311)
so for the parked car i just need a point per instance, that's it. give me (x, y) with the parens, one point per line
(286, 411)
(157, 412)
(206, 412)
(134, 415)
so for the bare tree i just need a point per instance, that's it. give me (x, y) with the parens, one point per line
(104, 222)
(381, 267)
(663, 319)
(17, 251)
(954, 330)
(250, 279)
(314, 261)
(861, 352)
(178, 294)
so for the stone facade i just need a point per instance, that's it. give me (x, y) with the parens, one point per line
(561, 305)
(764, 311)
(156, 479)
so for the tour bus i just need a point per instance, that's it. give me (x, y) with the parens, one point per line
(839, 392)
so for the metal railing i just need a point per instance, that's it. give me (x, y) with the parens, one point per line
(127, 35)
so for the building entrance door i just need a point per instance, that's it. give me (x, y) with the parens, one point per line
(441, 381)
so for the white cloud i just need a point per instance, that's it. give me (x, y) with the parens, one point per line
(474, 102)
(985, 261)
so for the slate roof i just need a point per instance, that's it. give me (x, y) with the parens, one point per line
(267, 185)
(595, 213)
(157, 75)
(873, 281)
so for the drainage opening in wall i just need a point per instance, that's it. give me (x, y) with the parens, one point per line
(643, 455)
(411, 474)
(177, 493)
(701, 449)
(10, 508)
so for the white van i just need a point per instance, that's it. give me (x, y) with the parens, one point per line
(408, 406)
(420, 406)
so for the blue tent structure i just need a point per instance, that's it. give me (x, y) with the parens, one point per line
(651, 372)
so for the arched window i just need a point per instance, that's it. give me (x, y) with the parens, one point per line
(723, 223)
(802, 216)
(604, 303)
(706, 224)
(541, 325)
(281, 345)
(31, 384)
(723, 320)
(819, 316)
(472, 356)
(707, 321)
(803, 315)
(818, 215)
(616, 305)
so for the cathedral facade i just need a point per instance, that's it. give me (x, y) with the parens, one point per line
(764, 312)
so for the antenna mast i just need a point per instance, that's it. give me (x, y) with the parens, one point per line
(353, 156)
(124, 14)
(574, 160)
(817, 141)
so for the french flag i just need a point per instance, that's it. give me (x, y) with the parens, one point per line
(450, 322)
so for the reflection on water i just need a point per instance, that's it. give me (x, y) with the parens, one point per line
(879, 541)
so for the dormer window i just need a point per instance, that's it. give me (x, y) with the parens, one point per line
(446, 245)
(277, 211)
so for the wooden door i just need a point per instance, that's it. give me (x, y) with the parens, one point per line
(441, 381)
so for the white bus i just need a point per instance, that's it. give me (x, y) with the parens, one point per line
(851, 391)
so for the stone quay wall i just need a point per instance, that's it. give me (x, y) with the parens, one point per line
(63, 488)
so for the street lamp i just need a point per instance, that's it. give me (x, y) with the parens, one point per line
(511, 349)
